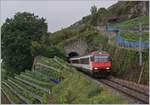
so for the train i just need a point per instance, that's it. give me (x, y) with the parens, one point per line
(97, 63)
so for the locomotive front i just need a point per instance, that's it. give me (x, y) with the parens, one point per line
(101, 64)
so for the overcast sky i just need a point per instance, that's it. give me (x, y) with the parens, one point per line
(58, 13)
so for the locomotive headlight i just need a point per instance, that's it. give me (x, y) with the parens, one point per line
(95, 68)
(107, 68)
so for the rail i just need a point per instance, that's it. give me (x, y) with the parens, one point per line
(136, 92)
(129, 91)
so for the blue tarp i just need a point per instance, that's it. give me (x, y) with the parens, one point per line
(54, 80)
(111, 29)
(131, 44)
(121, 41)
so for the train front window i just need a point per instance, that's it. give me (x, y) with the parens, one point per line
(102, 58)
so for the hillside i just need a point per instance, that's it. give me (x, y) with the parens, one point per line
(125, 59)
(51, 79)
(55, 85)
(121, 11)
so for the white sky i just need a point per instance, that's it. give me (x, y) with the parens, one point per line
(58, 13)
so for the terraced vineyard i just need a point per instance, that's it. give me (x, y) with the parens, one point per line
(134, 36)
(33, 86)
(53, 80)
(134, 23)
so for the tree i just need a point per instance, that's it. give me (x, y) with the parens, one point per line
(94, 16)
(102, 14)
(17, 36)
(93, 10)
(40, 49)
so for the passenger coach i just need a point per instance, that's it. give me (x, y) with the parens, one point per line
(96, 63)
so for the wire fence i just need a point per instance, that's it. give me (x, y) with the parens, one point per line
(125, 43)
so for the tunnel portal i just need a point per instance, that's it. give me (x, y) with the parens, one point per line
(73, 54)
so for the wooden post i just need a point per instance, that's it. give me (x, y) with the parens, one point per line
(33, 65)
(140, 45)
(142, 70)
(140, 53)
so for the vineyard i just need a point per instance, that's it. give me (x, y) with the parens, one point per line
(54, 81)
(28, 87)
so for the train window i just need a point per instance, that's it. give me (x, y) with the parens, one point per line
(102, 58)
(92, 58)
(75, 61)
(84, 60)
(110, 58)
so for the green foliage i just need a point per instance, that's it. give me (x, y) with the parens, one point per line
(49, 52)
(75, 88)
(17, 35)
(61, 35)
(53, 51)
(28, 87)
(106, 94)
(86, 19)
(10, 94)
(36, 48)
(59, 39)
(46, 98)
(126, 61)
(133, 23)
(85, 91)
(134, 36)
(3, 73)
(94, 16)
(96, 41)
(93, 10)
(122, 8)
(33, 80)
(102, 14)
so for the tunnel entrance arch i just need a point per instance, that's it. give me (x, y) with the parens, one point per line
(77, 47)
(73, 54)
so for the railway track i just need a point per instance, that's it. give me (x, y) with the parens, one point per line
(136, 93)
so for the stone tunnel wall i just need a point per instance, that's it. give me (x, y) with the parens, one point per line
(79, 46)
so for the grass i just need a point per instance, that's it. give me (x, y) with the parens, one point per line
(48, 62)
(75, 88)
(126, 62)
(20, 91)
(32, 89)
(133, 23)
(11, 95)
(111, 98)
(3, 73)
(78, 88)
(134, 36)
(39, 82)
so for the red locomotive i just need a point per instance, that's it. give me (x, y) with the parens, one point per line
(96, 63)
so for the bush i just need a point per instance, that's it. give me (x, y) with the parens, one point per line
(39, 49)
(17, 35)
